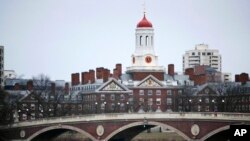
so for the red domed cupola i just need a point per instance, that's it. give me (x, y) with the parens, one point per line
(144, 23)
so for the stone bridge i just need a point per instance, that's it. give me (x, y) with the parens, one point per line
(124, 126)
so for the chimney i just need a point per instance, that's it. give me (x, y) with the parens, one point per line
(53, 88)
(66, 88)
(115, 74)
(92, 76)
(72, 79)
(237, 78)
(190, 72)
(77, 78)
(244, 77)
(171, 69)
(106, 74)
(119, 70)
(30, 85)
(17, 87)
(99, 73)
(85, 77)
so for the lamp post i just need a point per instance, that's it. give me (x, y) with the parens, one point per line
(96, 104)
(128, 109)
(118, 105)
(190, 104)
(223, 105)
(213, 105)
(104, 106)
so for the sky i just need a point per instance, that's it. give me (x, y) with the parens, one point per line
(60, 37)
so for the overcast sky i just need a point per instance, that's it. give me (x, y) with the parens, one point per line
(60, 37)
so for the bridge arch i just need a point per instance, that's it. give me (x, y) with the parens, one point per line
(210, 134)
(61, 127)
(148, 123)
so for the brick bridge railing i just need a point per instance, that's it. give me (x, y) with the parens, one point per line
(101, 127)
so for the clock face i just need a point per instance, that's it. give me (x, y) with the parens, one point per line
(148, 59)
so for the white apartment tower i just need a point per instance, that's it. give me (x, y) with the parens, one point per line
(1, 66)
(202, 55)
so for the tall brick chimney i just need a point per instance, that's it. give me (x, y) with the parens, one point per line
(115, 74)
(85, 77)
(190, 72)
(106, 74)
(77, 78)
(99, 73)
(17, 87)
(244, 77)
(171, 69)
(72, 79)
(92, 76)
(119, 69)
(66, 88)
(237, 78)
(30, 85)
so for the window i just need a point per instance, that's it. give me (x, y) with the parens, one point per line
(122, 107)
(169, 92)
(193, 53)
(141, 101)
(79, 107)
(179, 92)
(122, 97)
(199, 108)
(112, 97)
(150, 101)
(140, 40)
(169, 101)
(158, 92)
(150, 92)
(24, 117)
(203, 53)
(24, 106)
(103, 106)
(158, 101)
(141, 92)
(207, 100)
(207, 109)
(32, 106)
(32, 116)
(112, 106)
(102, 97)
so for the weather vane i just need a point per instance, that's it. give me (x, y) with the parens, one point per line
(144, 6)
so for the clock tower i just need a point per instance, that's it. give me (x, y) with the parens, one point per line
(144, 58)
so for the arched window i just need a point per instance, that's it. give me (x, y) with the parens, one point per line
(147, 40)
(152, 40)
(140, 40)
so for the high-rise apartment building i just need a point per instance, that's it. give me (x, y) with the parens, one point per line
(202, 55)
(1, 65)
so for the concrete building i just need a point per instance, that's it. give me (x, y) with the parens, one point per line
(9, 74)
(1, 66)
(202, 55)
(226, 77)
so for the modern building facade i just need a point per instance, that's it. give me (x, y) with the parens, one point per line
(202, 55)
(1, 66)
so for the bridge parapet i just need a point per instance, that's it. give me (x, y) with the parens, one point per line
(135, 116)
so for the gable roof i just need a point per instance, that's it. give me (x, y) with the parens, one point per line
(206, 90)
(112, 85)
(150, 81)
